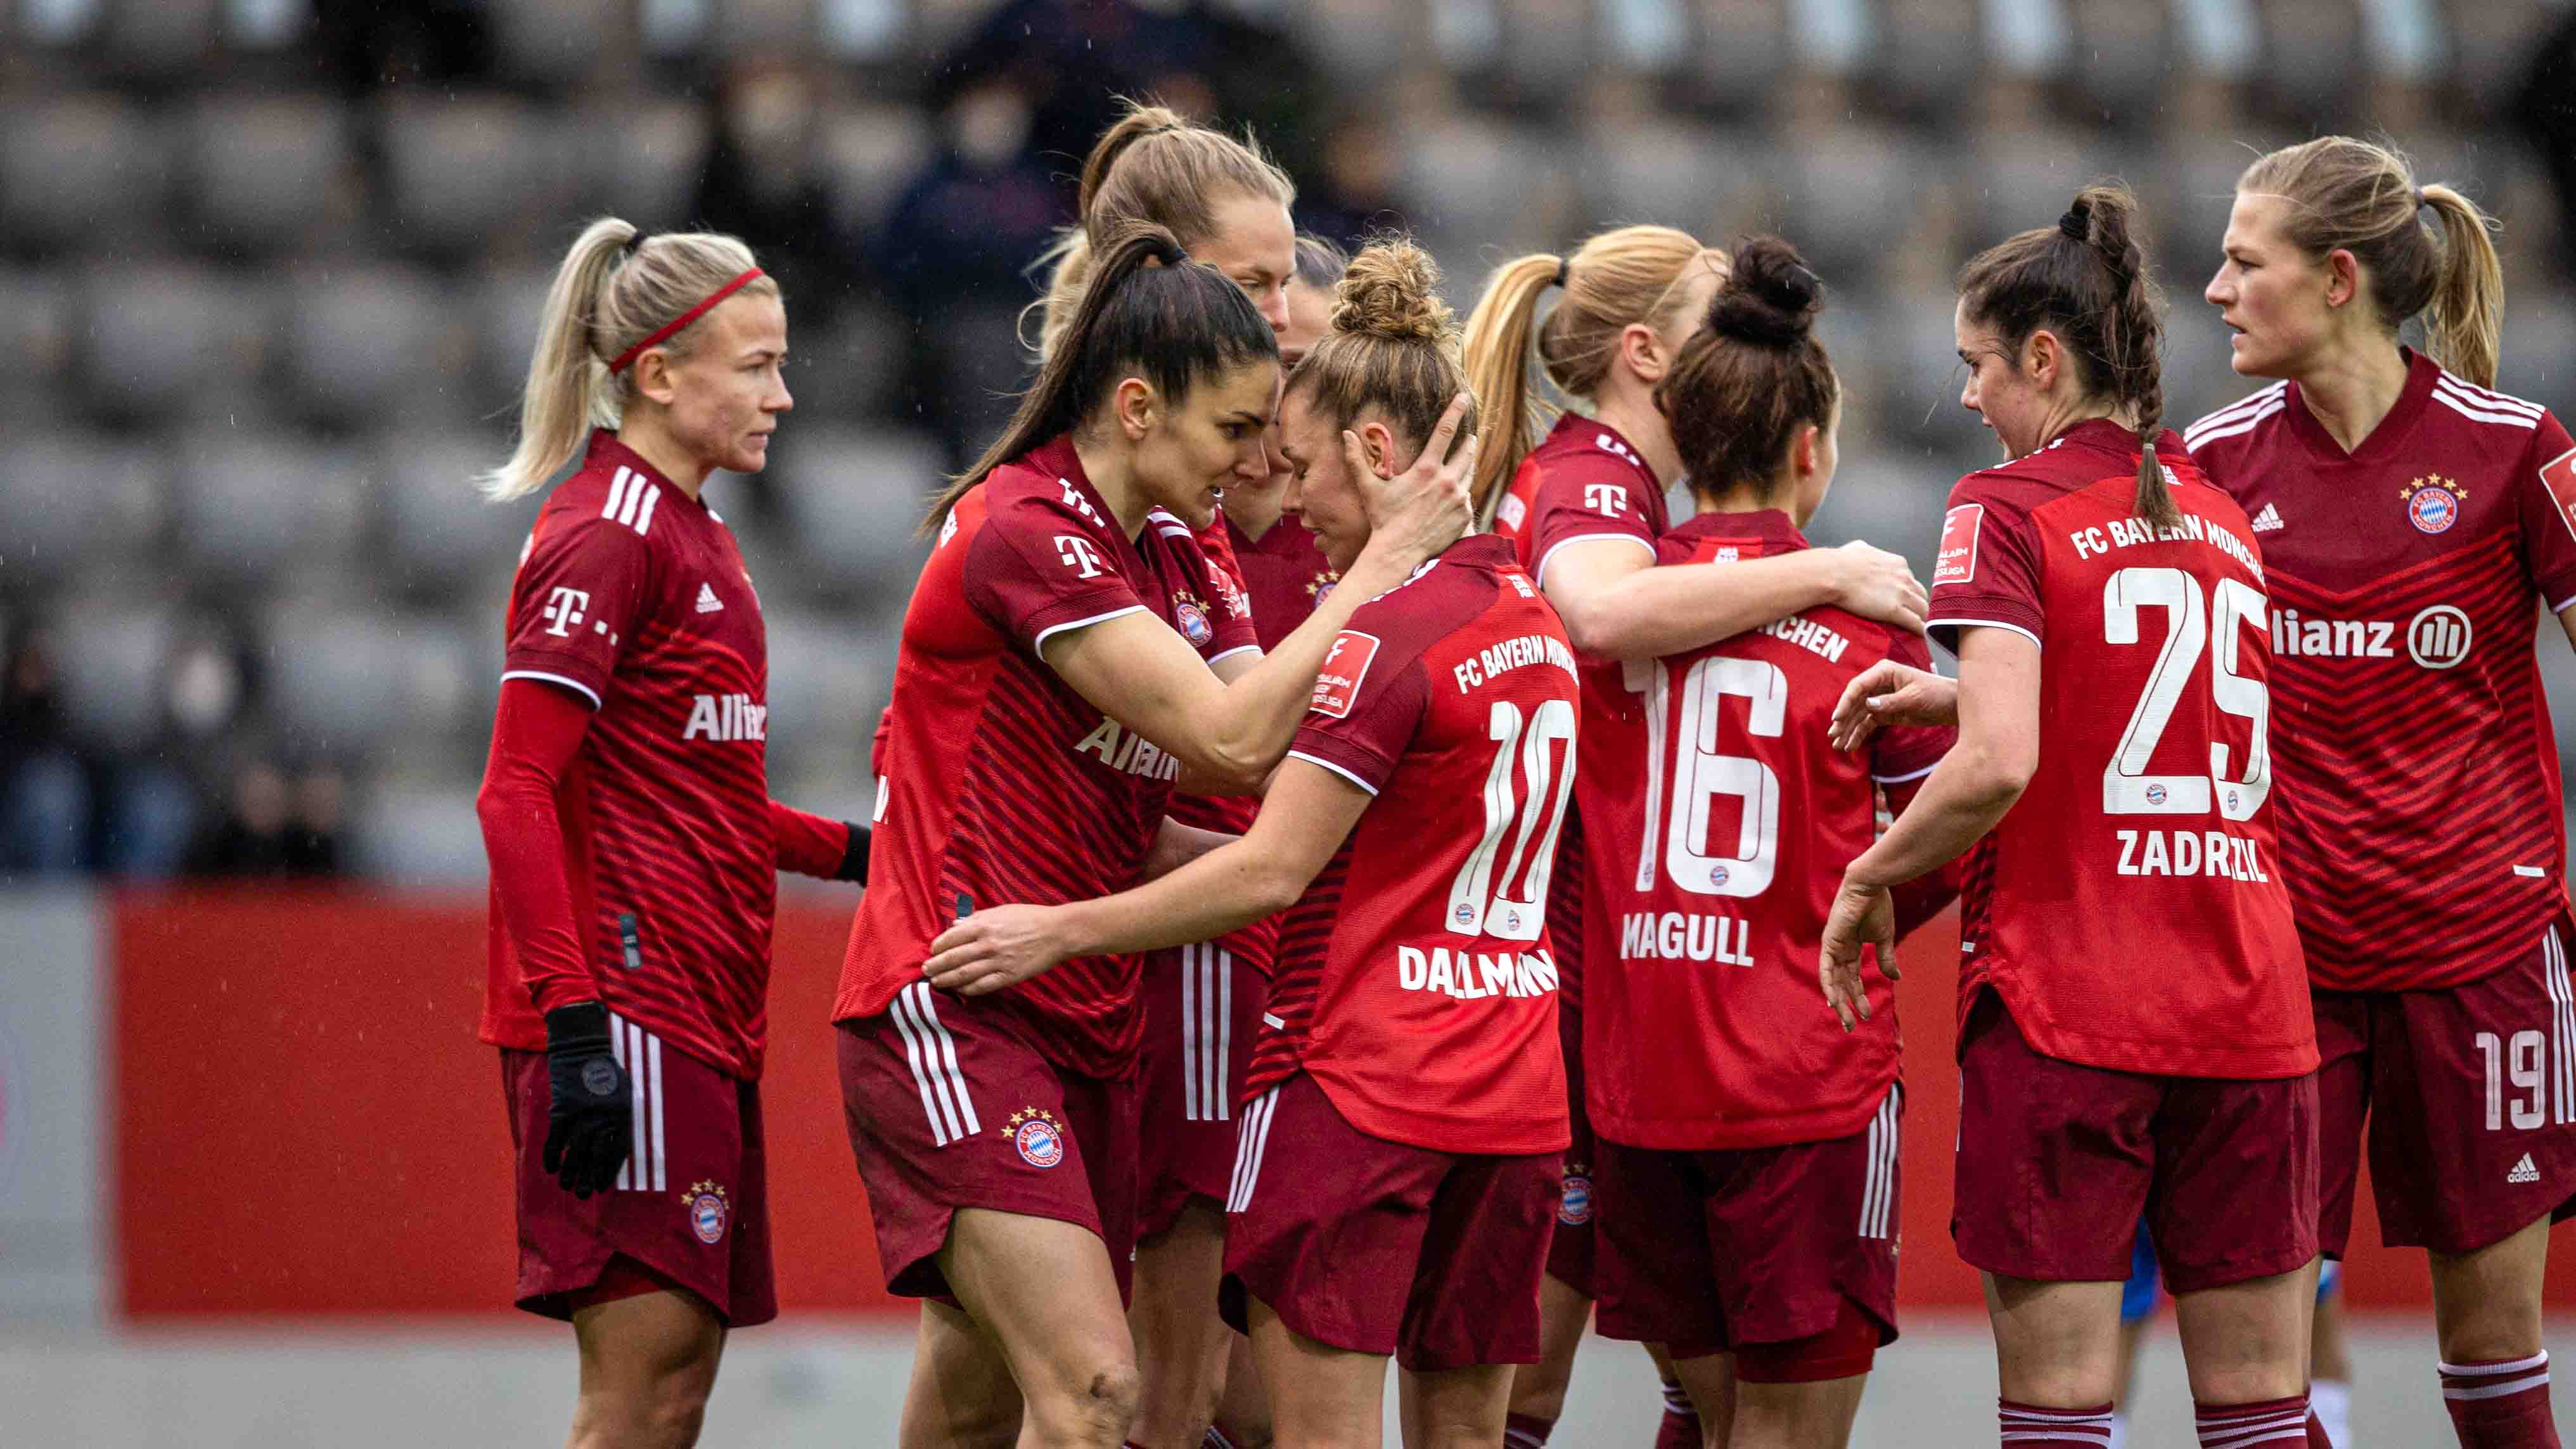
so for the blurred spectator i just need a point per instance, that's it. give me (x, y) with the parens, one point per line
(761, 183)
(1352, 192)
(275, 826)
(2545, 112)
(368, 45)
(45, 792)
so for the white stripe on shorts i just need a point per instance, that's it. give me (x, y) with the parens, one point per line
(932, 1054)
(1878, 1195)
(2562, 1024)
(640, 1053)
(1251, 1139)
(1207, 1031)
(1190, 1033)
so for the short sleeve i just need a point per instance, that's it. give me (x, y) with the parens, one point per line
(1369, 701)
(1039, 566)
(2545, 497)
(577, 599)
(1585, 497)
(1986, 571)
(1906, 753)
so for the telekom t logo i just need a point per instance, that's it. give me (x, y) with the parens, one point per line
(564, 611)
(1607, 499)
(1077, 553)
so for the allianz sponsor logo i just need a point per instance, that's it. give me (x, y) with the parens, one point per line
(2436, 638)
(726, 718)
(1475, 975)
(1127, 752)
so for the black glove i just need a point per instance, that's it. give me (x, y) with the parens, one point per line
(590, 1123)
(854, 861)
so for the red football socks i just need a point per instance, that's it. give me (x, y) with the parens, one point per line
(2026, 1426)
(2271, 1424)
(1680, 1429)
(2503, 1404)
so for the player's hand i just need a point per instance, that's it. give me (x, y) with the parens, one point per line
(1889, 693)
(994, 948)
(1876, 584)
(1863, 915)
(1424, 509)
(590, 1119)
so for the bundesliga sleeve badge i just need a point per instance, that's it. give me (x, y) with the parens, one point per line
(2433, 503)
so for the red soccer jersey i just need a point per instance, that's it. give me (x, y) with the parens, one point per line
(632, 594)
(1284, 572)
(1001, 783)
(1719, 822)
(1583, 481)
(1254, 944)
(2130, 907)
(1415, 981)
(2421, 829)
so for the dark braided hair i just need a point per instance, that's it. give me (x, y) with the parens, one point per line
(2085, 280)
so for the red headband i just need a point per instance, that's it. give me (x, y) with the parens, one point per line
(670, 329)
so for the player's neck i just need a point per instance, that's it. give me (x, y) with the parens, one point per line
(2352, 389)
(644, 437)
(1115, 481)
(1255, 511)
(1629, 406)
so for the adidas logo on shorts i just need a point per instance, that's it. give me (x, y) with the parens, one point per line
(2268, 519)
(2523, 1171)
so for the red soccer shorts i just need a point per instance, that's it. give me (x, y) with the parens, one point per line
(1727, 1252)
(2056, 1161)
(2470, 1095)
(951, 1105)
(1378, 1247)
(1572, 1253)
(692, 1205)
(1202, 1007)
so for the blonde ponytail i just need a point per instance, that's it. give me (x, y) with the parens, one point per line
(610, 294)
(2464, 322)
(1498, 352)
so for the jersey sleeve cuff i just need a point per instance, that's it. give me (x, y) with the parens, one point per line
(555, 675)
(1086, 613)
(1946, 623)
(1237, 649)
(1348, 774)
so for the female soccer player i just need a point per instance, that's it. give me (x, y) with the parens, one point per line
(1585, 505)
(1398, 1171)
(626, 811)
(2409, 516)
(1054, 681)
(1747, 1164)
(2134, 1030)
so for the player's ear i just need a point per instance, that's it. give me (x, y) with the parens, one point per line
(1137, 406)
(1380, 444)
(2343, 277)
(653, 377)
(2041, 358)
(1643, 351)
(1804, 452)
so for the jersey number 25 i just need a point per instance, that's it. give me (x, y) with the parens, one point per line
(2127, 788)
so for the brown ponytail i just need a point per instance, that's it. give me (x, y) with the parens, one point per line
(2355, 196)
(1149, 312)
(1629, 275)
(2086, 280)
(1153, 166)
(1752, 375)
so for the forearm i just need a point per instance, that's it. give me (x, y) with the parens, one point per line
(1968, 793)
(1653, 612)
(1229, 887)
(1176, 845)
(532, 886)
(808, 844)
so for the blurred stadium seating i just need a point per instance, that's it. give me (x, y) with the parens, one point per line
(269, 270)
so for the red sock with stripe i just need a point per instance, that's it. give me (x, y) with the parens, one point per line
(2271, 1424)
(1680, 1429)
(2500, 1404)
(2028, 1425)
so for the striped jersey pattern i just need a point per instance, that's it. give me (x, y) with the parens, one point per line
(665, 808)
(2416, 770)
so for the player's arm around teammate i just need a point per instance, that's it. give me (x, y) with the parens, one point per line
(2191, 1091)
(2390, 482)
(1375, 1211)
(628, 1012)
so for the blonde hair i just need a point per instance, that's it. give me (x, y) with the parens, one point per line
(608, 295)
(2360, 197)
(1629, 275)
(1152, 167)
(1391, 344)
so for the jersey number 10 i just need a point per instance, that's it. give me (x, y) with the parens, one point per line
(2127, 788)
(1482, 901)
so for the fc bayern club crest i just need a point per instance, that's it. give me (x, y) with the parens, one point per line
(1574, 1209)
(1193, 620)
(707, 1209)
(1320, 587)
(2433, 503)
(1037, 1135)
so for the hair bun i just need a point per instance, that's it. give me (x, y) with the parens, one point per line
(1392, 289)
(1770, 298)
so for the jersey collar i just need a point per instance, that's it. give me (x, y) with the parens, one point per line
(2421, 373)
(606, 454)
(1766, 530)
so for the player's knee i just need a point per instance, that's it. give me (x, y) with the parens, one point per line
(675, 1417)
(1088, 1404)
